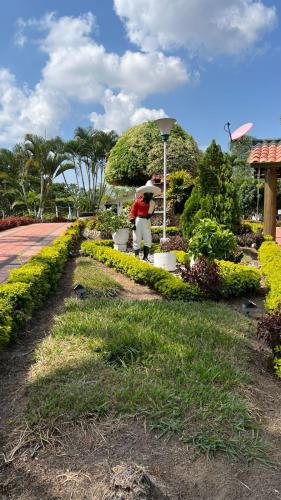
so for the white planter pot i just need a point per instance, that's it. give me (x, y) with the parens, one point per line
(165, 260)
(120, 239)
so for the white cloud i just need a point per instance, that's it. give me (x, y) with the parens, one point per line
(209, 27)
(123, 111)
(80, 70)
(22, 110)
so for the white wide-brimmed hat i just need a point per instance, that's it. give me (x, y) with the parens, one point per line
(148, 188)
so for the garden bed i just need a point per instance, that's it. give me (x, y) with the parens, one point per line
(78, 457)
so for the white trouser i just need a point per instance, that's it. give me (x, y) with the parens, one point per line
(142, 232)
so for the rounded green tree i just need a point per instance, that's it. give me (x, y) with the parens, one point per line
(214, 195)
(138, 154)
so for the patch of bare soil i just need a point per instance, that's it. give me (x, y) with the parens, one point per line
(130, 290)
(118, 458)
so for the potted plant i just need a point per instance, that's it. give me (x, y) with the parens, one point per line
(118, 225)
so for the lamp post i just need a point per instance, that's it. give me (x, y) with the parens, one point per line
(165, 125)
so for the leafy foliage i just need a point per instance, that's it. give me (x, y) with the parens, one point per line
(250, 240)
(212, 240)
(269, 329)
(109, 220)
(10, 222)
(270, 260)
(139, 153)
(238, 279)
(205, 275)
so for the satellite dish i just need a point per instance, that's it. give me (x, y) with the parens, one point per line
(239, 132)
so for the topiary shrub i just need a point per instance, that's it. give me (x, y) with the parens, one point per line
(138, 154)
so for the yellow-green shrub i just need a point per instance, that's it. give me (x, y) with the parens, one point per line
(237, 279)
(160, 280)
(270, 260)
(27, 286)
(5, 322)
(19, 300)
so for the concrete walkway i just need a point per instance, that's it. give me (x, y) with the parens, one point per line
(17, 245)
(278, 235)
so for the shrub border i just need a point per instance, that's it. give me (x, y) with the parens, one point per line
(29, 285)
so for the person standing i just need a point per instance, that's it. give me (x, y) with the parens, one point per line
(140, 215)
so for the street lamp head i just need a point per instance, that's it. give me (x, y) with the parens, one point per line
(165, 125)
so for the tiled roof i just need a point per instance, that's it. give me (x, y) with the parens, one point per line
(267, 151)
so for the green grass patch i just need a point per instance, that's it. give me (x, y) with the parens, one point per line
(96, 281)
(180, 366)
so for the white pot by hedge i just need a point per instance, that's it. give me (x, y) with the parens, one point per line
(120, 239)
(165, 260)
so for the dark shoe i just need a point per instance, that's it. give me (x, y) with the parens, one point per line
(145, 253)
(137, 252)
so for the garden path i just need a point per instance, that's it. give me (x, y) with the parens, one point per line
(17, 245)
(278, 235)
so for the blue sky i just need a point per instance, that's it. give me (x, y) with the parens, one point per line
(112, 64)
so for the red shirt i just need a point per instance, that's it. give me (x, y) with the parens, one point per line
(139, 209)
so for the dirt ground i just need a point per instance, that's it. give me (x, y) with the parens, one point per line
(118, 459)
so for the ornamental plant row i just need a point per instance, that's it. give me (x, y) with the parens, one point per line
(160, 280)
(11, 222)
(269, 328)
(28, 286)
(236, 279)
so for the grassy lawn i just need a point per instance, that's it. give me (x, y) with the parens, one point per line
(181, 367)
(97, 283)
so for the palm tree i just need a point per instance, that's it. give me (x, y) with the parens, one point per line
(15, 175)
(47, 156)
(93, 147)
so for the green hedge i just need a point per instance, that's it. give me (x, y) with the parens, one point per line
(5, 322)
(238, 279)
(170, 230)
(170, 286)
(270, 260)
(28, 286)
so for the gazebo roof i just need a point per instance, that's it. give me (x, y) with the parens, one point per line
(265, 152)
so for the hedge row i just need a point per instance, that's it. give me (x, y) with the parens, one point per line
(237, 279)
(10, 222)
(28, 286)
(22, 220)
(160, 280)
(270, 260)
(170, 230)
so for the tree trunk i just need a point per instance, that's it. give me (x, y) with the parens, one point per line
(40, 209)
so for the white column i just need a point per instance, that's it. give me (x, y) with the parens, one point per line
(164, 190)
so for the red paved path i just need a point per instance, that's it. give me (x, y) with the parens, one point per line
(278, 235)
(17, 245)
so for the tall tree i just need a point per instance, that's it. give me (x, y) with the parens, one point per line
(47, 156)
(214, 195)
